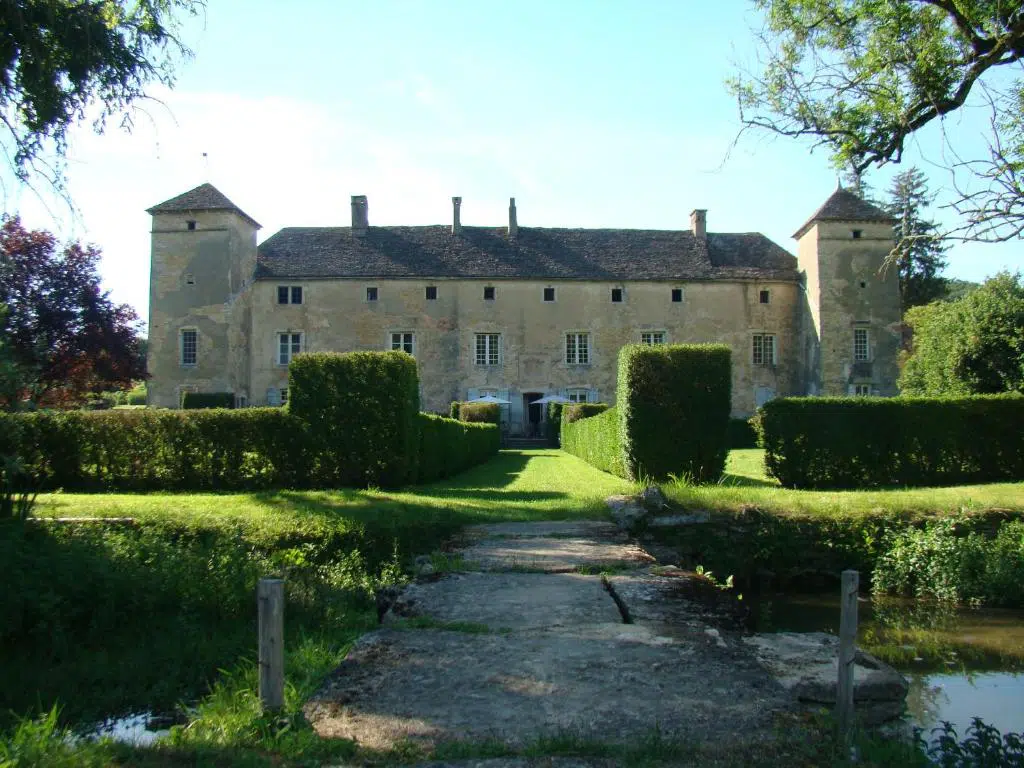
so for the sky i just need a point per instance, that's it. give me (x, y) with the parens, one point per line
(590, 113)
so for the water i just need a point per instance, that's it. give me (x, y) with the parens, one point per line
(141, 729)
(961, 662)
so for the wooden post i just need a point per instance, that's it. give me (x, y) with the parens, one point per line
(847, 653)
(270, 600)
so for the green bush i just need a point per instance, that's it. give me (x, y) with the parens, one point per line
(361, 411)
(448, 446)
(595, 440)
(673, 403)
(137, 450)
(742, 434)
(554, 424)
(196, 400)
(453, 409)
(817, 442)
(480, 413)
(575, 411)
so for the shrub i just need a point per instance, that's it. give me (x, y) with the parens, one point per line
(196, 400)
(361, 411)
(448, 446)
(595, 440)
(576, 411)
(554, 423)
(480, 413)
(453, 409)
(673, 403)
(135, 396)
(742, 433)
(858, 442)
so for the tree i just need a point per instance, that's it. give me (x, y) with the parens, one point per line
(919, 247)
(862, 76)
(58, 57)
(970, 346)
(64, 335)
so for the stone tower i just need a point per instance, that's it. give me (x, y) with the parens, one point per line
(200, 298)
(852, 318)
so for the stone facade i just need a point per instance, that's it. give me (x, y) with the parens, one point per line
(516, 312)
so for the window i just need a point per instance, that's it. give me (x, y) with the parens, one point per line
(764, 349)
(289, 294)
(861, 348)
(765, 297)
(403, 341)
(489, 293)
(289, 344)
(431, 293)
(371, 293)
(241, 401)
(190, 279)
(284, 396)
(577, 348)
(549, 294)
(616, 295)
(189, 346)
(652, 337)
(577, 395)
(191, 224)
(677, 295)
(856, 233)
(862, 390)
(863, 284)
(488, 348)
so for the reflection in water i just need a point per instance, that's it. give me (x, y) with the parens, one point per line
(961, 662)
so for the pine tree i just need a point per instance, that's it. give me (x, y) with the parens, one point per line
(919, 247)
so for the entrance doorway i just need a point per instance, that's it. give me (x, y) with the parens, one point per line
(534, 413)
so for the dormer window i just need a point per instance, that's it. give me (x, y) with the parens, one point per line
(856, 233)
(191, 224)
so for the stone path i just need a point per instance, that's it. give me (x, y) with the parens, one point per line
(531, 640)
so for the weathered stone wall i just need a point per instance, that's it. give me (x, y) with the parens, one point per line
(200, 279)
(335, 316)
(847, 288)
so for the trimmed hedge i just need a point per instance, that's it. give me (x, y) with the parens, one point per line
(741, 434)
(573, 412)
(139, 450)
(453, 410)
(448, 446)
(595, 440)
(362, 415)
(673, 403)
(196, 400)
(480, 413)
(554, 424)
(837, 442)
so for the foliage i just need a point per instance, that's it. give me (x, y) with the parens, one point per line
(198, 400)
(61, 57)
(947, 561)
(576, 411)
(837, 442)
(970, 346)
(63, 332)
(673, 403)
(554, 423)
(741, 434)
(453, 409)
(17, 490)
(919, 248)
(861, 77)
(596, 440)
(360, 411)
(449, 446)
(981, 745)
(486, 413)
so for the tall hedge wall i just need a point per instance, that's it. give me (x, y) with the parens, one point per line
(448, 446)
(596, 440)
(194, 400)
(361, 410)
(576, 411)
(554, 423)
(673, 403)
(818, 442)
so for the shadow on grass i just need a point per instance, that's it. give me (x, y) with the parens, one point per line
(745, 481)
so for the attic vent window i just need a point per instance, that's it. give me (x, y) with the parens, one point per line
(677, 295)
(549, 294)
(765, 297)
(431, 293)
(616, 295)
(489, 293)
(856, 233)
(191, 224)
(371, 294)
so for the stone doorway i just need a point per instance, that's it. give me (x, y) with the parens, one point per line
(534, 415)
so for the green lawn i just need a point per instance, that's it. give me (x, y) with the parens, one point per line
(745, 484)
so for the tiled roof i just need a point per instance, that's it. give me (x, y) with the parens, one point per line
(205, 197)
(537, 253)
(844, 205)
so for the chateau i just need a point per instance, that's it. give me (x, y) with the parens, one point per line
(517, 312)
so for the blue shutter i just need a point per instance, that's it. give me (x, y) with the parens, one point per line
(273, 396)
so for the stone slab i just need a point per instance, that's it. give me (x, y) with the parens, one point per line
(611, 682)
(552, 529)
(552, 555)
(514, 601)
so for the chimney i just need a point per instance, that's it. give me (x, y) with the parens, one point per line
(360, 215)
(699, 223)
(456, 220)
(513, 225)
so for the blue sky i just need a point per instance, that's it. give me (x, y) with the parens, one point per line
(589, 113)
